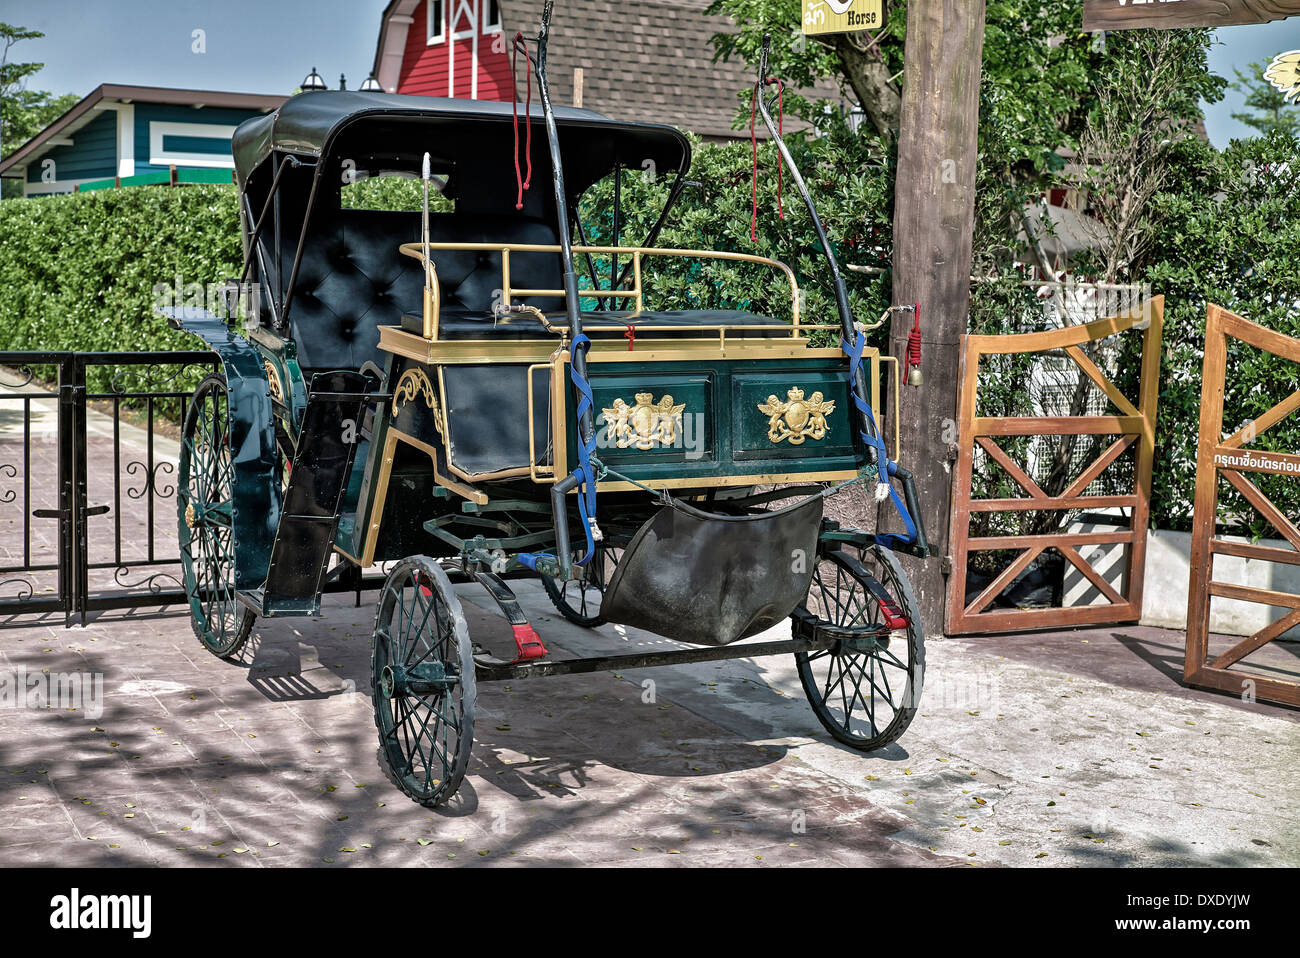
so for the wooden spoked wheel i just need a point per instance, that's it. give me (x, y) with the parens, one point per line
(422, 674)
(205, 497)
(579, 600)
(866, 687)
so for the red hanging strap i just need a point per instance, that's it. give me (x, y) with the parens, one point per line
(753, 139)
(630, 336)
(522, 181)
(914, 341)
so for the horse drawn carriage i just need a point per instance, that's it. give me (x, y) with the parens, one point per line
(450, 396)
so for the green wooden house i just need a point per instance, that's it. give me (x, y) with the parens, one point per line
(133, 135)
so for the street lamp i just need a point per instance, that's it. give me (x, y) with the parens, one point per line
(313, 81)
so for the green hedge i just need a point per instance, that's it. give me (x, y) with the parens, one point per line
(81, 271)
(1231, 236)
(854, 190)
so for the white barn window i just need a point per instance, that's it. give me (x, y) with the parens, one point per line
(491, 16)
(436, 21)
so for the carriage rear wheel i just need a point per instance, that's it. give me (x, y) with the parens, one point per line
(422, 673)
(579, 600)
(865, 688)
(205, 498)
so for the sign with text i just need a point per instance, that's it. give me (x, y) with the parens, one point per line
(1175, 14)
(1284, 73)
(842, 16)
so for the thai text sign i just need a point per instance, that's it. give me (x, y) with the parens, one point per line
(1251, 460)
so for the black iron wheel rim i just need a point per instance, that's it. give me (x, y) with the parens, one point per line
(425, 737)
(205, 500)
(866, 698)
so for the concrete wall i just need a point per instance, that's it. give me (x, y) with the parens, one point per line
(1168, 575)
(1168, 572)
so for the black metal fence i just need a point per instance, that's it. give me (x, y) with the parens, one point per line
(88, 452)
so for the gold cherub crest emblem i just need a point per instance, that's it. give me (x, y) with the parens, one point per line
(797, 420)
(644, 425)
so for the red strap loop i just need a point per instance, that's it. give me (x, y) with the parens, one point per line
(753, 138)
(914, 341)
(522, 182)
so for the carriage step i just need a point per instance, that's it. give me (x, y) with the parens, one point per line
(256, 600)
(354, 397)
(322, 464)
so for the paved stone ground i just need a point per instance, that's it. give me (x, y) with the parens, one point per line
(1026, 753)
(1049, 749)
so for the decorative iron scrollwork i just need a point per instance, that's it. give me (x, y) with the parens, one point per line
(150, 582)
(25, 591)
(150, 479)
(415, 383)
(117, 386)
(22, 371)
(9, 472)
(273, 379)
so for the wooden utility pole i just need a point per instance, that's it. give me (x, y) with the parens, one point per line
(934, 220)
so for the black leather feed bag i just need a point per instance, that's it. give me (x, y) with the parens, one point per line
(710, 579)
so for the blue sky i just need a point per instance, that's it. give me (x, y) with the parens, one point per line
(268, 46)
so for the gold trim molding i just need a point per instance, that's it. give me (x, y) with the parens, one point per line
(273, 381)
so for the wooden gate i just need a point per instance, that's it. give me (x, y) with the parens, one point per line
(1133, 426)
(1229, 458)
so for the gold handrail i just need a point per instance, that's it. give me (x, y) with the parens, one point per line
(416, 251)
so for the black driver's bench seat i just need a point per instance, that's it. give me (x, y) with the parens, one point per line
(456, 323)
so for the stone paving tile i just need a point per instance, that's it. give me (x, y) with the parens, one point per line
(581, 770)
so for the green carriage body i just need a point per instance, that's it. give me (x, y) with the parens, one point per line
(409, 389)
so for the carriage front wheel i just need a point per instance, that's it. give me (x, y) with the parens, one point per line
(422, 673)
(864, 688)
(205, 499)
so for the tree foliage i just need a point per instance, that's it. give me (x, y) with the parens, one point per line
(1267, 107)
(23, 112)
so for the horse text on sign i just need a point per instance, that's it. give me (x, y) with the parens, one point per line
(842, 16)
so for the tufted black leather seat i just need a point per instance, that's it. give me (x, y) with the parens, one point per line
(353, 280)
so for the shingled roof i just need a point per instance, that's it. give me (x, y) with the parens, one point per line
(641, 59)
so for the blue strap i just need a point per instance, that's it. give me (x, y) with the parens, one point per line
(585, 473)
(885, 466)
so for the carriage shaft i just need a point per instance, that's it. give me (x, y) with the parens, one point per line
(491, 670)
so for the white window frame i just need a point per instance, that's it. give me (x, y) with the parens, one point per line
(463, 11)
(160, 157)
(489, 26)
(430, 38)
